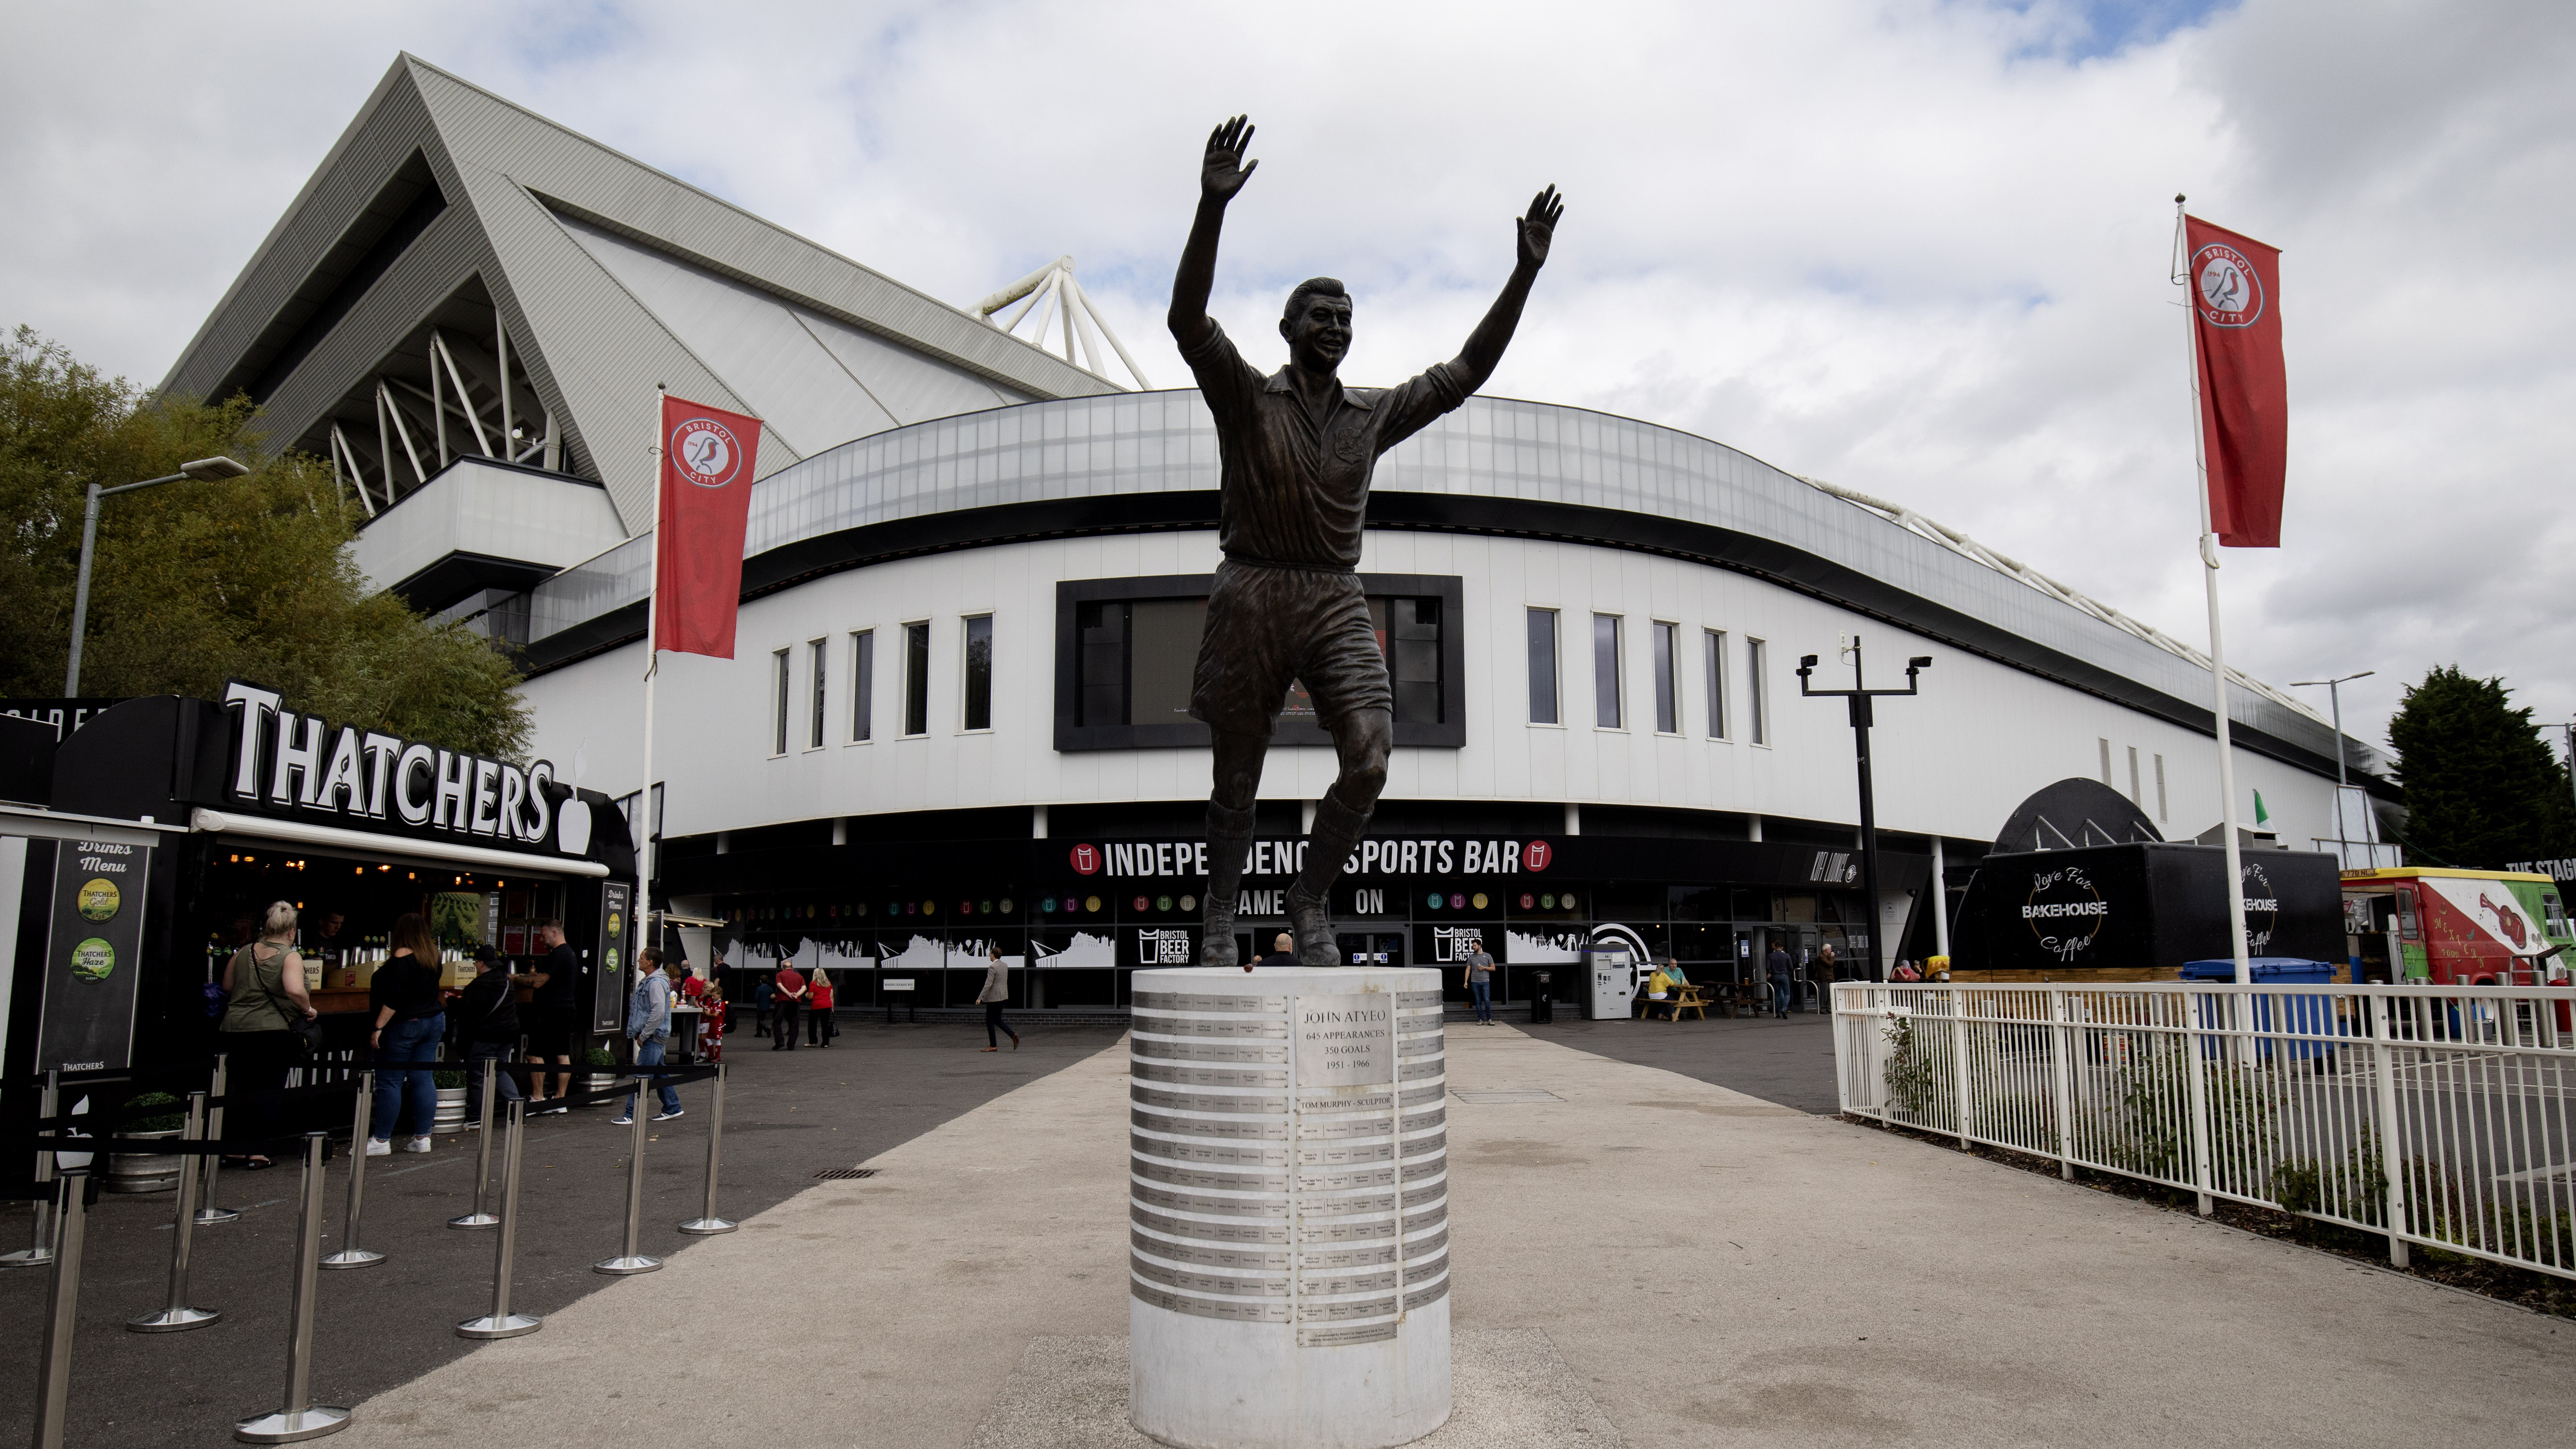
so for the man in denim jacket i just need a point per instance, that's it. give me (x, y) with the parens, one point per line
(648, 1025)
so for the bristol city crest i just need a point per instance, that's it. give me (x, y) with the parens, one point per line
(706, 452)
(2231, 294)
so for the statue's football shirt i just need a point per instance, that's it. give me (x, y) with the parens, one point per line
(1296, 492)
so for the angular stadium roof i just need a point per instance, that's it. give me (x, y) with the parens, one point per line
(459, 269)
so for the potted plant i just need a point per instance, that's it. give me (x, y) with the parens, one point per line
(451, 1101)
(603, 1069)
(147, 1171)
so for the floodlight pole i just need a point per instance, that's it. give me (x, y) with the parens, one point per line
(1859, 695)
(205, 468)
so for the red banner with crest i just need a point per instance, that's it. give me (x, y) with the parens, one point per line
(2244, 389)
(707, 457)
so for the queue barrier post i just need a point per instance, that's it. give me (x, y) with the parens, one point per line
(351, 1255)
(183, 1226)
(707, 1224)
(631, 1261)
(299, 1418)
(209, 1211)
(62, 1305)
(41, 1252)
(501, 1322)
(482, 1157)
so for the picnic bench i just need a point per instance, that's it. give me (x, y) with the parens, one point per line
(1684, 997)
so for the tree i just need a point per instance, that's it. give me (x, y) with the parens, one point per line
(192, 583)
(2482, 787)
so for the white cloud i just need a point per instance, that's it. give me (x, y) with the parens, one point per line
(1917, 248)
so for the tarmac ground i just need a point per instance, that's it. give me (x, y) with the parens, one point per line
(788, 1115)
(1642, 1257)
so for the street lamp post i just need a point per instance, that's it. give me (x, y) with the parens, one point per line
(204, 468)
(2334, 701)
(1860, 694)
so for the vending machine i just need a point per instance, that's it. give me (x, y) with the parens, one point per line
(1610, 977)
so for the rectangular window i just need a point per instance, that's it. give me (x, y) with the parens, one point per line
(1542, 666)
(1100, 662)
(2137, 796)
(863, 684)
(778, 702)
(979, 672)
(1757, 690)
(1716, 641)
(1668, 679)
(814, 723)
(2106, 764)
(1408, 632)
(2160, 789)
(1605, 671)
(916, 678)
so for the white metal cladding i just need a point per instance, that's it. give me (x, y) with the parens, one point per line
(591, 350)
(1491, 448)
(1984, 735)
(473, 507)
(2449, 1111)
(810, 394)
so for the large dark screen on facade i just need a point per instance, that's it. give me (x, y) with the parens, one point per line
(1128, 652)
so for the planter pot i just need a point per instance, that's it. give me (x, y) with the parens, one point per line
(144, 1171)
(599, 1081)
(451, 1110)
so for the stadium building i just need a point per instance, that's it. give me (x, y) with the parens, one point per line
(976, 569)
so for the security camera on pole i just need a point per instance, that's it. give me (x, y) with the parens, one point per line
(2240, 437)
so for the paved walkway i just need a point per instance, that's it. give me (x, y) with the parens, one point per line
(1710, 1269)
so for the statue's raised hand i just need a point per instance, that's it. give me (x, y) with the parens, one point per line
(1223, 170)
(1538, 228)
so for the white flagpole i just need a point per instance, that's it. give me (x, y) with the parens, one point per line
(652, 673)
(2217, 645)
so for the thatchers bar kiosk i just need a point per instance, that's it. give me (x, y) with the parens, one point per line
(250, 802)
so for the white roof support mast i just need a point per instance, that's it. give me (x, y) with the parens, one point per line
(1043, 293)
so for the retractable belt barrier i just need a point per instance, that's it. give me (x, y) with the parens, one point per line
(72, 1191)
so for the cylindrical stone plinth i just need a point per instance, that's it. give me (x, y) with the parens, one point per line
(1288, 1208)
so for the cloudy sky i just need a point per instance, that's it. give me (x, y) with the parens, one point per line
(1917, 248)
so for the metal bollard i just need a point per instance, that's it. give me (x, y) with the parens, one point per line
(707, 1223)
(350, 1254)
(501, 1322)
(482, 1157)
(62, 1306)
(209, 1212)
(299, 1417)
(183, 1227)
(631, 1261)
(41, 1251)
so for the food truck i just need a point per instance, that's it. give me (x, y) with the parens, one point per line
(201, 812)
(2456, 927)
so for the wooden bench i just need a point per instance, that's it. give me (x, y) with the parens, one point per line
(1684, 997)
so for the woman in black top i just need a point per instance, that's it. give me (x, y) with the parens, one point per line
(409, 1017)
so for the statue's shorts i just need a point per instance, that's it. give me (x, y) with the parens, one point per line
(1270, 627)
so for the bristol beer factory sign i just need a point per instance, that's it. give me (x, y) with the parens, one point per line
(1421, 855)
(285, 763)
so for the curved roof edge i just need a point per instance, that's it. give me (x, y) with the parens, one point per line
(1131, 462)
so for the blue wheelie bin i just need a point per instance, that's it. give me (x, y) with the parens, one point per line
(2310, 1017)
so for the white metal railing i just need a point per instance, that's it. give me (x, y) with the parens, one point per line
(2448, 1111)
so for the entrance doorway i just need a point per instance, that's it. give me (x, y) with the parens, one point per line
(1372, 948)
